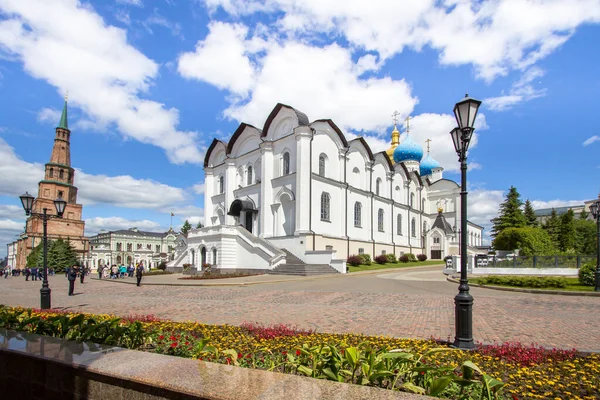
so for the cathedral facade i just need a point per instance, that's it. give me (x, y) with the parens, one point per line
(302, 187)
(58, 181)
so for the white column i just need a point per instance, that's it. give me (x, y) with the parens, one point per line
(266, 191)
(209, 188)
(229, 188)
(303, 136)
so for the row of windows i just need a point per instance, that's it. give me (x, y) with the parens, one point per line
(61, 173)
(325, 216)
(250, 173)
(139, 246)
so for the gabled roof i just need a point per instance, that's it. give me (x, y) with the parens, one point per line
(336, 129)
(302, 118)
(238, 133)
(365, 145)
(389, 163)
(210, 150)
(441, 223)
(129, 232)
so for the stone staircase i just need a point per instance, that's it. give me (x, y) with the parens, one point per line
(295, 266)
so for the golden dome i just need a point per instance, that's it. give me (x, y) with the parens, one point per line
(395, 142)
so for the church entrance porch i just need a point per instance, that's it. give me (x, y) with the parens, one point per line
(244, 213)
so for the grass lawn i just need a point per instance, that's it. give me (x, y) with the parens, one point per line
(574, 286)
(375, 266)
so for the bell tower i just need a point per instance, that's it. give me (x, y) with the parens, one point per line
(58, 181)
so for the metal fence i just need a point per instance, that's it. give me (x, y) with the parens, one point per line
(533, 261)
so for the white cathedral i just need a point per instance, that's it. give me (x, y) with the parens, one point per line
(299, 193)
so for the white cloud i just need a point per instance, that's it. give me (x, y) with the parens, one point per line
(591, 140)
(12, 211)
(493, 36)
(123, 17)
(158, 20)
(521, 90)
(131, 2)
(18, 176)
(49, 115)
(199, 188)
(105, 75)
(540, 204)
(10, 225)
(94, 225)
(483, 206)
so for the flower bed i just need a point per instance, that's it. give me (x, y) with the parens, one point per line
(421, 366)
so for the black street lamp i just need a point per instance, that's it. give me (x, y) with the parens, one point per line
(59, 204)
(465, 112)
(595, 209)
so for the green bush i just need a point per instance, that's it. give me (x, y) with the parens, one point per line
(411, 257)
(534, 282)
(391, 257)
(365, 259)
(587, 274)
(531, 241)
(354, 261)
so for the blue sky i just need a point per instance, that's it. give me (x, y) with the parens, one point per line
(151, 82)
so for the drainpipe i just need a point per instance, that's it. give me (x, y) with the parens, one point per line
(409, 220)
(372, 203)
(310, 216)
(392, 209)
(346, 187)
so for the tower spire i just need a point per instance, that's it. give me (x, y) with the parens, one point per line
(64, 123)
(395, 132)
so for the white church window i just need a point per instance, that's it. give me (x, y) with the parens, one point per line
(412, 200)
(249, 176)
(399, 225)
(424, 227)
(322, 165)
(380, 220)
(214, 256)
(325, 200)
(436, 240)
(357, 214)
(423, 205)
(413, 228)
(361, 251)
(221, 185)
(286, 163)
(377, 186)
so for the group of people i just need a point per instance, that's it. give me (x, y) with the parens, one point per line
(119, 272)
(72, 274)
(34, 273)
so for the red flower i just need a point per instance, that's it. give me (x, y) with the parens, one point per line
(172, 338)
(297, 352)
(284, 353)
(161, 337)
(240, 355)
(174, 344)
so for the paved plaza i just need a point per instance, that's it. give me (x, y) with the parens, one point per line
(416, 303)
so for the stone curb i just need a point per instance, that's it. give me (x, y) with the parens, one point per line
(534, 291)
(300, 278)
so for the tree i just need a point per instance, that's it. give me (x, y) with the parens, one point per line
(186, 227)
(566, 232)
(530, 218)
(552, 226)
(530, 241)
(583, 214)
(510, 214)
(199, 225)
(61, 255)
(585, 237)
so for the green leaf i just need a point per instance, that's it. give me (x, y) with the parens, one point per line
(351, 355)
(305, 370)
(333, 377)
(409, 387)
(468, 367)
(439, 385)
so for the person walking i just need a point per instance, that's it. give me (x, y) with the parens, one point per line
(72, 276)
(27, 273)
(139, 271)
(81, 274)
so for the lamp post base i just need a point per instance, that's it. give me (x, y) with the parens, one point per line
(463, 320)
(45, 303)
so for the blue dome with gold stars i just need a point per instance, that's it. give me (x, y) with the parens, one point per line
(428, 165)
(408, 150)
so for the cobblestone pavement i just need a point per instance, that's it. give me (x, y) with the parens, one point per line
(418, 304)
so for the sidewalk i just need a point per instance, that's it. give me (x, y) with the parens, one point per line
(173, 279)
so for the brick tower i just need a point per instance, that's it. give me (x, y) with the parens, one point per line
(57, 182)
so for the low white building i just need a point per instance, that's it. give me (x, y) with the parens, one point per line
(11, 255)
(297, 188)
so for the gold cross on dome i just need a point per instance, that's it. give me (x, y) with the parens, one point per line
(428, 141)
(395, 117)
(407, 120)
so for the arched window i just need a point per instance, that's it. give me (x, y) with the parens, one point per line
(412, 200)
(357, 214)
(286, 163)
(399, 224)
(380, 220)
(424, 227)
(413, 228)
(356, 178)
(325, 200)
(119, 246)
(129, 247)
(214, 256)
(249, 176)
(377, 186)
(322, 165)
(423, 205)
(51, 173)
(61, 174)
(221, 185)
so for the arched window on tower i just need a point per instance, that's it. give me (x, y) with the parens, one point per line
(61, 174)
(377, 186)
(423, 205)
(249, 176)
(424, 227)
(221, 185)
(380, 220)
(51, 174)
(413, 228)
(412, 200)
(357, 214)
(399, 225)
(322, 165)
(325, 200)
(286, 163)
(214, 256)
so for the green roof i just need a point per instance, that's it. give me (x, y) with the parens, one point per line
(64, 123)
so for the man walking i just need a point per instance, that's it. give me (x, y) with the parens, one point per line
(139, 271)
(81, 274)
(72, 275)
